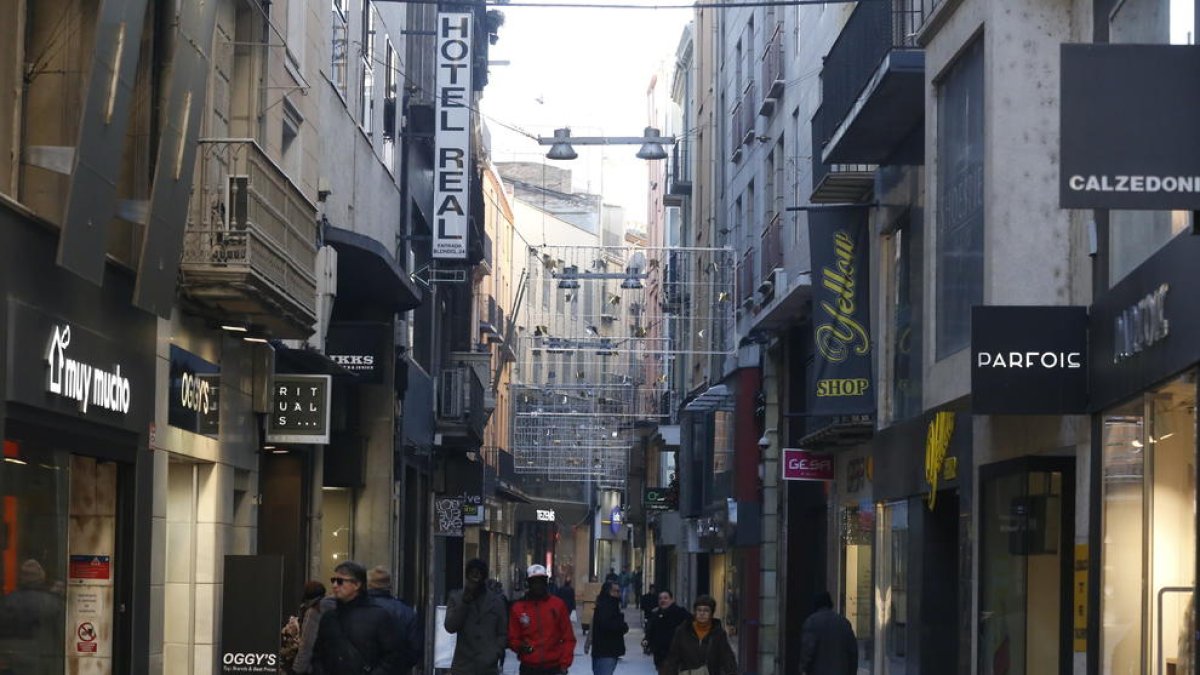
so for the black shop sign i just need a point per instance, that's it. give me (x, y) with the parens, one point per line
(193, 397)
(1129, 127)
(253, 604)
(300, 409)
(1029, 360)
(360, 347)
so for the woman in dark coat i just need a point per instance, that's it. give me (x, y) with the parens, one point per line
(607, 637)
(701, 643)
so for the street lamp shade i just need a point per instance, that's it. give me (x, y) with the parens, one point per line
(562, 146)
(651, 149)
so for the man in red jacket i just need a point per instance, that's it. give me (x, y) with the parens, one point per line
(539, 628)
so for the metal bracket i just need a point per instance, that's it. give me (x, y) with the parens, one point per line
(56, 158)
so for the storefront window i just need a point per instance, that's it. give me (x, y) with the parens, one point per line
(337, 528)
(34, 496)
(1149, 533)
(891, 593)
(858, 529)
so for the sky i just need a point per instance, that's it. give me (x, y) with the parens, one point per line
(587, 69)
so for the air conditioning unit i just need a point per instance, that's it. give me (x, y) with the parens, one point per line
(452, 393)
(775, 282)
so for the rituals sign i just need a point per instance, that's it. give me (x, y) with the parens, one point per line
(300, 409)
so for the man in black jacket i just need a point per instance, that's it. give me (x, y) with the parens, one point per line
(357, 636)
(479, 617)
(827, 644)
(663, 623)
(410, 640)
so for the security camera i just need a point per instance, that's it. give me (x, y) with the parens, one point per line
(764, 442)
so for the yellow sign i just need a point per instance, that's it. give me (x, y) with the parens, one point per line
(937, 442)
(950, 468)
(1081, 599)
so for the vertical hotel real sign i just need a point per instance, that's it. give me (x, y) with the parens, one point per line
(841, 370)
(452, 178)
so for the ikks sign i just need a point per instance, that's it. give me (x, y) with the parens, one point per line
(1029, 360)
(452, 169)
(841, 372)
(92, 386)
(300, 409)
(804, 465)
(1125, 146)
(360, 347)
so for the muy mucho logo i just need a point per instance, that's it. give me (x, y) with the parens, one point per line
(82, 382)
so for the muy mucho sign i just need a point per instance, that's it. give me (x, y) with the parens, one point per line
(804, 465)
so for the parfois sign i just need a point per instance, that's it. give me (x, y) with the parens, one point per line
(841, 370)
(453, 136)
(1029, 360)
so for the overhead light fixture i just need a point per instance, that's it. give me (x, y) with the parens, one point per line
(562, 149)
(651, 149)
(233, 328)
(632, 283)
(255, 340)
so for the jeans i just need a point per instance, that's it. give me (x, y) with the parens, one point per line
(604, 665)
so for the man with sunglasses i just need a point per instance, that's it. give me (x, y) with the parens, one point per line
(357, 636)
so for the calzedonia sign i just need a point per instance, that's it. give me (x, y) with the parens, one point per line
(1029, 360)
(300, 409)
(452, 136)
(1124, 144)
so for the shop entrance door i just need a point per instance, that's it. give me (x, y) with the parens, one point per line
(1026, 520)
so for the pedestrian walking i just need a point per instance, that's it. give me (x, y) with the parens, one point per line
(701, 647)
(606, 640)
(624, 580)
(648, 603)
(411, 636)
(356, 636)
(539, 628)
(660, 630)
(300, 633)
(478, 616)
(566, 593)
(828, 645)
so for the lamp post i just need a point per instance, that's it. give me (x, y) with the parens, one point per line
(652, 142)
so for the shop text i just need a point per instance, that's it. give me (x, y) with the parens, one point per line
(1134, 183)
(1047, 360)
(842, 331)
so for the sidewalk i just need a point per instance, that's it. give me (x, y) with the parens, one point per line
(633, 663)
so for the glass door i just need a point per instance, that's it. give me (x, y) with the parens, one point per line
(1026, 516)
(891, 590)
(1149, 533)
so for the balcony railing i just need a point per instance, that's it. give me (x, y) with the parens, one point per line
(836, 183)
(737, 130)
(873, 30)
(747, 111)
(679, 172)
(772, 247)
(250, 244)
(772, 72)
(460, 403)
(745, 279)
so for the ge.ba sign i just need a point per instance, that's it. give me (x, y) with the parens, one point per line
(452, 176)
(804, 465)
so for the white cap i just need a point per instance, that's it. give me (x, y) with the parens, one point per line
(536, 571)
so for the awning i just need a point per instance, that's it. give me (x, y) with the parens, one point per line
(368, 273)
(304, 361)
(716, 397)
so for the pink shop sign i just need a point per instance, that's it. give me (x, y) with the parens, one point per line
(804, 465)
